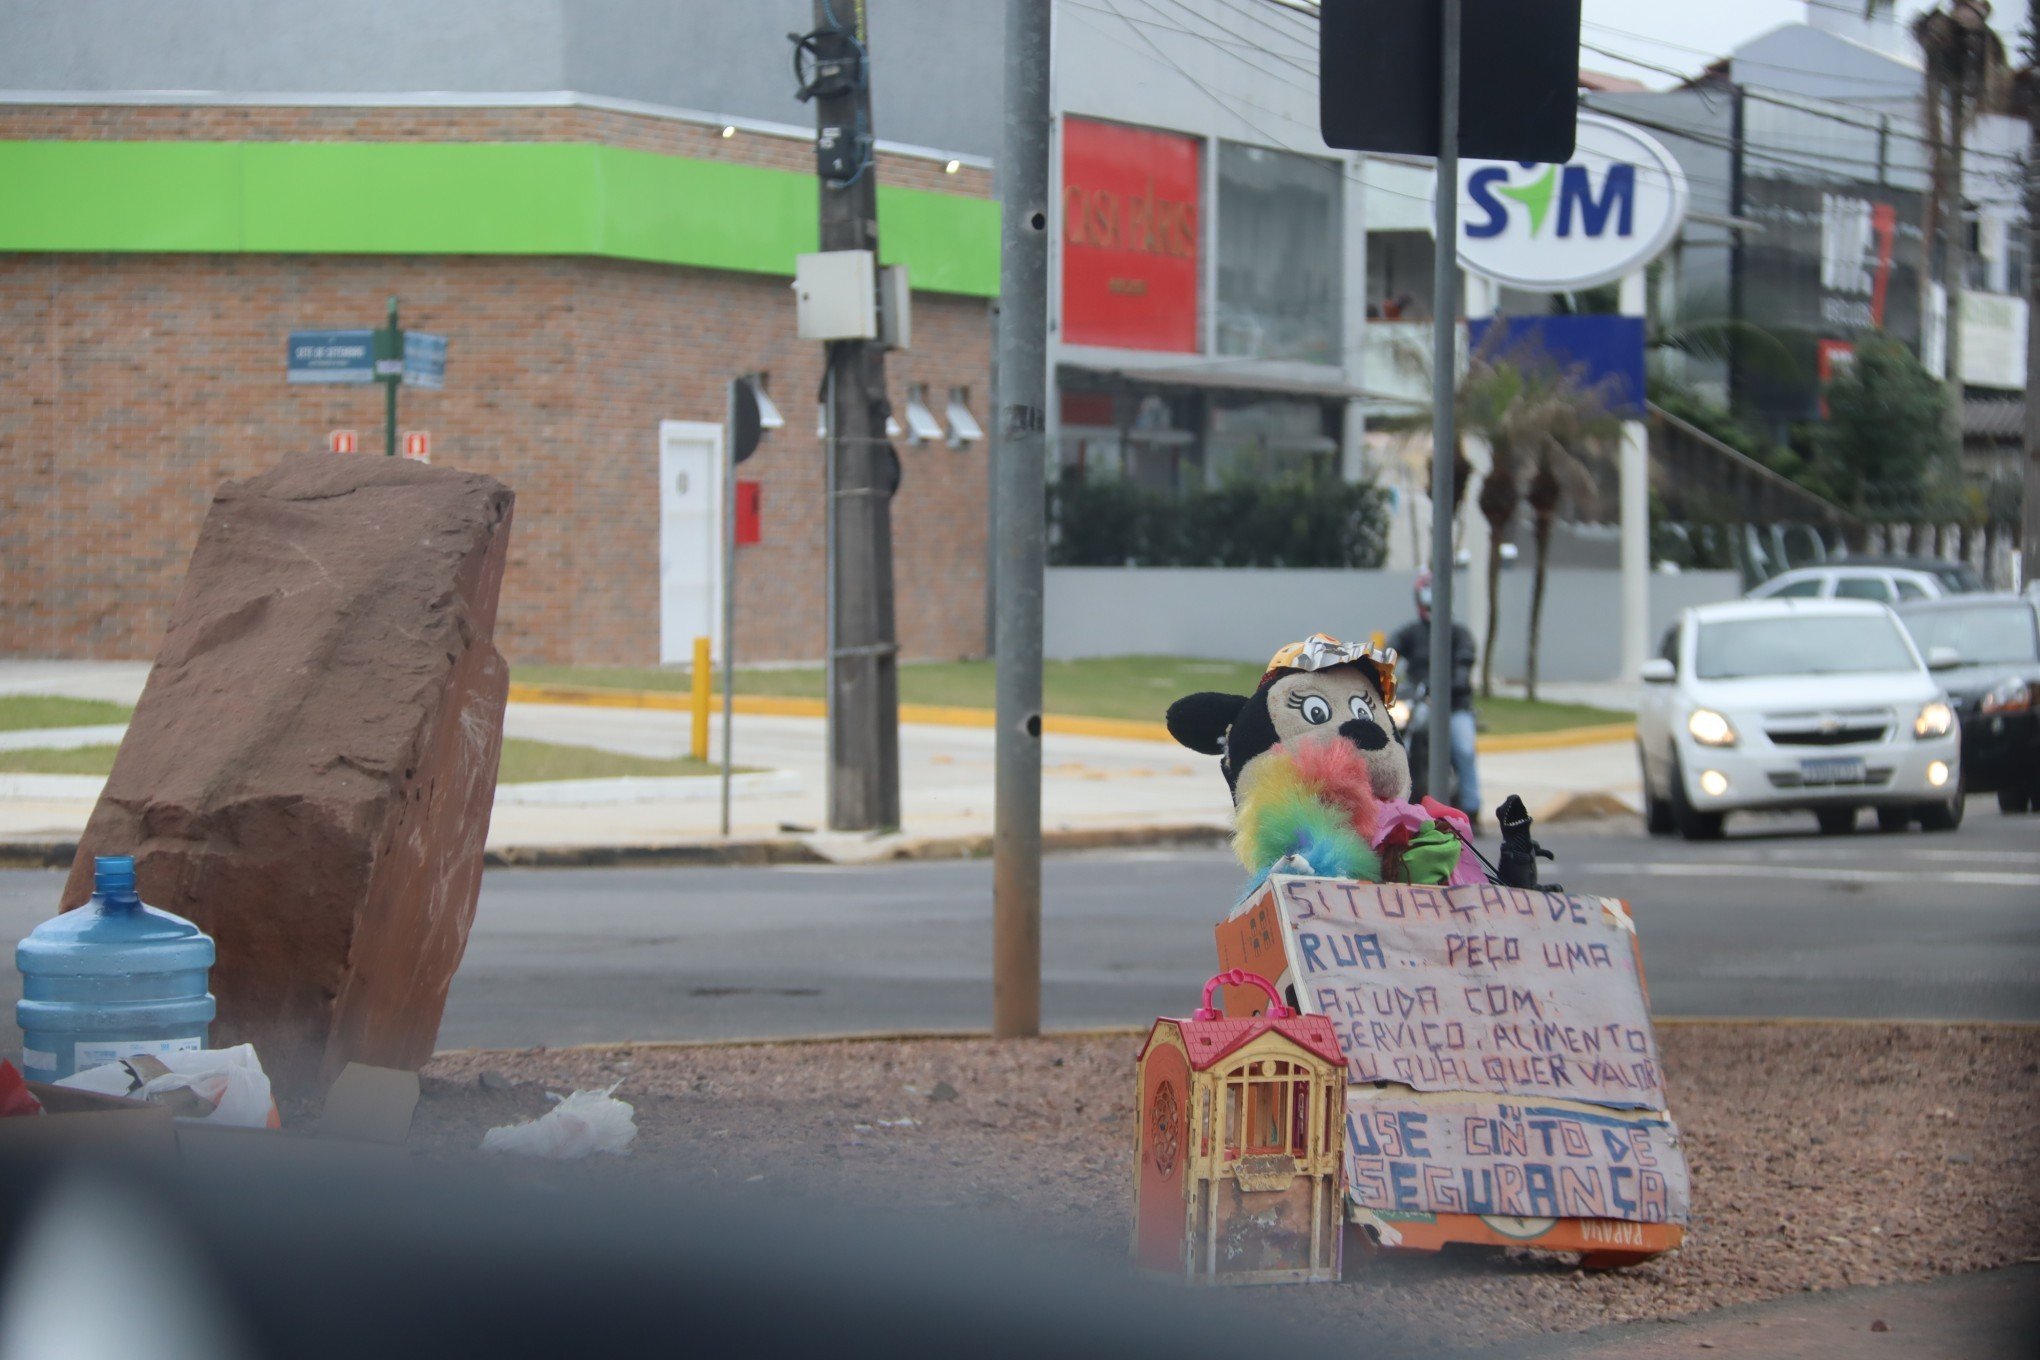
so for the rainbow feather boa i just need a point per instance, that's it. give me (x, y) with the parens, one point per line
(1316, 801)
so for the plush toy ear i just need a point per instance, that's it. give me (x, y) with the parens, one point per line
(1199, 720)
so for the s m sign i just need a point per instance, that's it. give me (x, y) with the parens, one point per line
(1552, 228)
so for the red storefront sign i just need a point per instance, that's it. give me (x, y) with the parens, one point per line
(1130, 221)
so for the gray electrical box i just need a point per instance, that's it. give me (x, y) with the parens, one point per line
(895, 307)
(836, 295)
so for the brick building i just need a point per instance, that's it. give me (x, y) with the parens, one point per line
(597, 271)
(607, 245)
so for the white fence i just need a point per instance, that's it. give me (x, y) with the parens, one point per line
(1245, 613)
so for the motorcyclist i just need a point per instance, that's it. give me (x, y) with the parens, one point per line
(1412, 643)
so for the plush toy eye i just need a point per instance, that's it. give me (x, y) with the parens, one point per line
(1360, 708)
(1315, 709)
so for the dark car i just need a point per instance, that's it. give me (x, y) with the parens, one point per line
(1985, 650)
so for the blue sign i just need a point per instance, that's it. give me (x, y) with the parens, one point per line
(424, 360)
(332, 356)
(1605, 348)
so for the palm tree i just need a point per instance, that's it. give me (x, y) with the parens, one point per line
(1539, 417)
(1578, 418)
(1966, 74)
(1487, 397)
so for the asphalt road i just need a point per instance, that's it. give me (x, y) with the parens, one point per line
(1775, 921)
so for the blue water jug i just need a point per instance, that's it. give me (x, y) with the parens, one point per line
(112, 979)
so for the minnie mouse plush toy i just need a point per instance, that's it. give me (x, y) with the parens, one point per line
(1316, 775)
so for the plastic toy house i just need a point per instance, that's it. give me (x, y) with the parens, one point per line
(1241, 1138)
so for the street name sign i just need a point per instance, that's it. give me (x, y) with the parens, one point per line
(424, 360)
(331, 356)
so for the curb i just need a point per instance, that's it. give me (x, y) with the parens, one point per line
(1590, 805)
(937, 715)
(845, 851)
(1558, 739)
(37, 854)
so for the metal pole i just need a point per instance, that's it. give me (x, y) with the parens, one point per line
(729, 592)
(2028, 528)
(1737, 207)
(1444, 383)
(390, 386)
(1633, 494)
(1955, 228)
(829, 706)
(1020, 486)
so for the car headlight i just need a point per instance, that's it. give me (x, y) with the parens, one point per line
(1934, 720)
(2013, 696)
(1709, 728)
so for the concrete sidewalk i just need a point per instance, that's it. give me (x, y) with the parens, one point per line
(1095, 790)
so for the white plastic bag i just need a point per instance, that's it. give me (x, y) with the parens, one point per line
(206, 1086)
(584, 1122)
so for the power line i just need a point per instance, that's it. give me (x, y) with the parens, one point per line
(1798, 104)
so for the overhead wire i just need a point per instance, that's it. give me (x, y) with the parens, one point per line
(1767, 154)
(1800, 105)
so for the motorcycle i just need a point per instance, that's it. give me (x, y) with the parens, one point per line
(1412, 716)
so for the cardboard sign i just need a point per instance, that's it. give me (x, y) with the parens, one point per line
(1498, 1043)
(1478, 988)
(1485, 1157)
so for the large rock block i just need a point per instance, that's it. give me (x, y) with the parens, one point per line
(310, 770)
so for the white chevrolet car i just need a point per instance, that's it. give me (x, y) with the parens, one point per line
(1796, 703)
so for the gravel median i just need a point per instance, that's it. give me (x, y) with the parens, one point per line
(1822, 1155)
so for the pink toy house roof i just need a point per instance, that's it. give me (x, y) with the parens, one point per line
(1209, 1041)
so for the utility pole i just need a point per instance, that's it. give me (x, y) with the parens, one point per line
(864, 688)
(2029, 535)
(1444, 389)
(1955, 222)
(1020, 491)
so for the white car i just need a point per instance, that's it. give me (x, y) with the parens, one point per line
(1883, 584)
(1819, 704)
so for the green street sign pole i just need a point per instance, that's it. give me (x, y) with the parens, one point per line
(389, 371)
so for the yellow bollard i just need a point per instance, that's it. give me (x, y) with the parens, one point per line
(701, 676)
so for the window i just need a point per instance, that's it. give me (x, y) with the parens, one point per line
(1264, 1117)
(1274, 1098)
(1907, 590)
(1982, 635)
(1280, 239)
(1862, 588)
(1800, 589)
(1855, 644)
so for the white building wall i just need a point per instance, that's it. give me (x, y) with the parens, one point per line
(1237, 70)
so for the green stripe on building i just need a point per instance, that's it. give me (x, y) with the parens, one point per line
(462, 198)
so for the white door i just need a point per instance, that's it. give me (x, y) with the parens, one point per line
(690, 538)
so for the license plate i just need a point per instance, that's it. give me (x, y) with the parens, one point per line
(1832, 770)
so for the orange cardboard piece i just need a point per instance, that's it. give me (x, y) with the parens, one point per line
(370, 1105)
